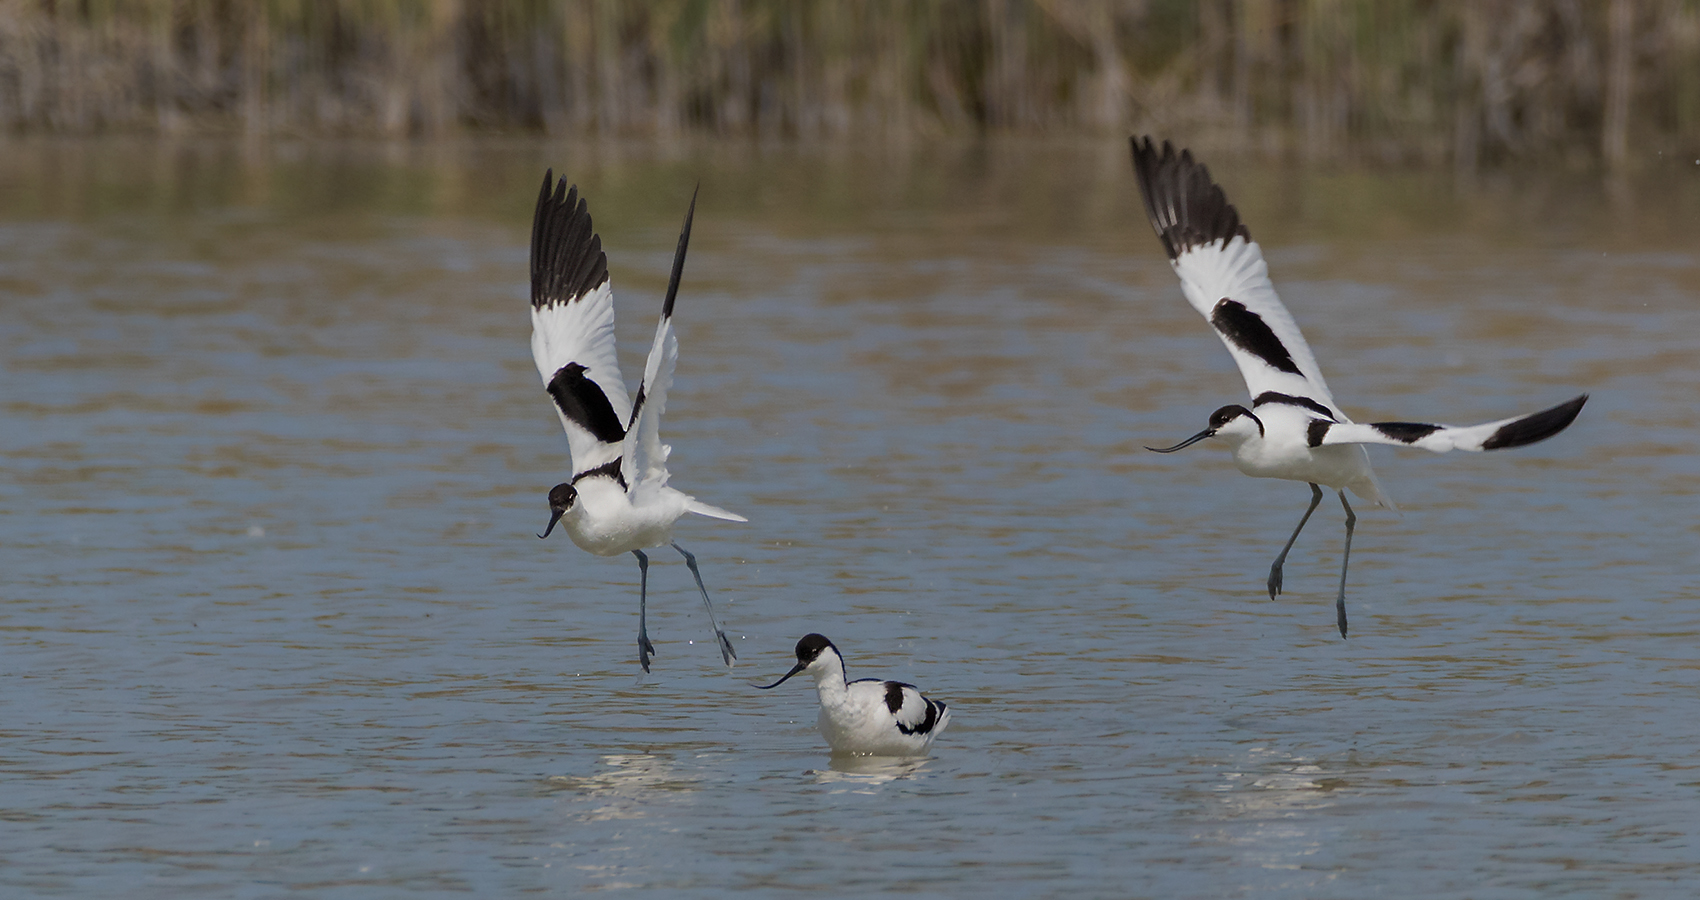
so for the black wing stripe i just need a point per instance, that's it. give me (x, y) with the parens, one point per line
(566, 254)
(637, 405)
(1290, 400)
(1405, 432)
(609, 469)
(1185, 207)
(1317, 431)
(934, 710)
(1536, 427)
(1250, 333)
(583, 403)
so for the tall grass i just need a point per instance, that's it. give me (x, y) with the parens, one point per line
(1467, 80)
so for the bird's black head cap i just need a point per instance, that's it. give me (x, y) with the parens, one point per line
(561, 498)
(811, 647)
(1227, 414)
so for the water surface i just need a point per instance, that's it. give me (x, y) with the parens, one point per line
(273, 620)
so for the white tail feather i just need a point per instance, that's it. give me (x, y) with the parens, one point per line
(713, 512)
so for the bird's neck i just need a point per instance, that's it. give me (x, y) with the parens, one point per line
(830, 679)
(1246, 448)
(1236, 440)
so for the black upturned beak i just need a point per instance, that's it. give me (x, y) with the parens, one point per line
(554, 516)
(794, 670)
(1186, 443)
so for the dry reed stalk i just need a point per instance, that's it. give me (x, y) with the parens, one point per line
(1478, 81)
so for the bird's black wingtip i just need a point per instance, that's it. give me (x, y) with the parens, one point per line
(1185, 207)
(567, 261)
(679, 255)
(1536, 427)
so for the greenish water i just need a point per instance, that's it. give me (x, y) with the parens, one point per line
(273, 621)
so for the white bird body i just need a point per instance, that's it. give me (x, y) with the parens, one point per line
(1294, 430)
(866, 717)
(618, 500)
(1337, 466)
(606, 522)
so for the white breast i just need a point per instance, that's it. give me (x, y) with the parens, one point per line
(605, 522)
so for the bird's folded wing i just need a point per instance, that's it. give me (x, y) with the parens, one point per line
(1514, 432)
(914, 713)
(1224, 276)
(572, 328)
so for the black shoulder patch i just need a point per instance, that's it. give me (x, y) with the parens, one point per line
(1406, 432)
(893, 696)
(1185, 207)
(583, 403)
(1250, 333)
(1317, 430)
(1536, 427)
(1290, 400)
(609, 469)
(566, 254)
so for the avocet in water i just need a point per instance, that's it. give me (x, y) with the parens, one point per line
(866, 717)
(1293, 429)
(618, 500)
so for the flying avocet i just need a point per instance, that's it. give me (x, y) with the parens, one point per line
(866, 717)
(618, 500)
(1293, 429)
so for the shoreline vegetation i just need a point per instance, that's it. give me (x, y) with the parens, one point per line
(1426, 82)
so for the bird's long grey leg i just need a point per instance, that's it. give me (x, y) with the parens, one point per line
(1346, 557)
(1275, 570)
(726, 651)
(645, 648)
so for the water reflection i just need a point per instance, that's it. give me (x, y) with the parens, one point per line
(629, 786)
(865, 772)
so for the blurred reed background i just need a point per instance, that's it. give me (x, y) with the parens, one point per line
(1424, 81)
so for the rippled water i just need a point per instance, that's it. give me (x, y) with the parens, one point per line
(273, 621)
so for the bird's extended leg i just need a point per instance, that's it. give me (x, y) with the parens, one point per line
(645, 648)
(1346, 557)
(726, 651)
(1275, 570)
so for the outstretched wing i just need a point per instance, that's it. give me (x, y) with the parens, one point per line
(572, 329)
(914, 713)
(1517, 432)
(1224, 277)
(645, 457)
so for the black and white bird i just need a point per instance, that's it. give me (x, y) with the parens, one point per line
(866, 717)
(618, 500)
(1293, 430)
